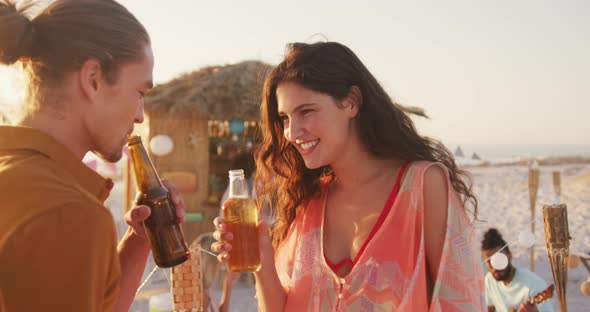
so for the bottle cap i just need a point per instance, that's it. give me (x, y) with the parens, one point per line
(134, 139)
(236, 173)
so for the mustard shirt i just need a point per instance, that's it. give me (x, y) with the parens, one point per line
(58, 243)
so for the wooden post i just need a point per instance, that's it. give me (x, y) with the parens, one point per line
(533, 189)
(557, 237)
(557, 186)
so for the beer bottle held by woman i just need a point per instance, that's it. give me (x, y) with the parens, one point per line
(162, 226)
(240, 215)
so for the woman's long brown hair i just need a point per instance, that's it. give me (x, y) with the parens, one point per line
(384, 128)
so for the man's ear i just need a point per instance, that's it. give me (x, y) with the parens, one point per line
(91, 78)
(353, 101)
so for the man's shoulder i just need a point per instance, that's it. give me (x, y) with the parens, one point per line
(36, 178)
(29, 171)
(528, 274)
(53, 217)
(33, 187)
(530, 278)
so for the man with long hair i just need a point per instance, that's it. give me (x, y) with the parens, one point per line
(88, 64)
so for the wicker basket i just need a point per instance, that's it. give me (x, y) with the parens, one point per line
(187, 286)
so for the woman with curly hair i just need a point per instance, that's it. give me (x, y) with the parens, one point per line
(370, 215)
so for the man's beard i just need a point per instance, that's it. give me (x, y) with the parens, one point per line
(111, 157)
(503, 275)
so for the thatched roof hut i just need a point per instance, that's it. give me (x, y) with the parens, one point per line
(221, 92)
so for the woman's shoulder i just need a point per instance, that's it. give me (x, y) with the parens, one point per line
(425, 164)
(421, 170)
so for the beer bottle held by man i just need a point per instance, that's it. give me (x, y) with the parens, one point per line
(162, 226)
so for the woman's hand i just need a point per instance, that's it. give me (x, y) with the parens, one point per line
(222, 246)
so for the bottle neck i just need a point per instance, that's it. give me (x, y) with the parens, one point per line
(146, 175)
(238, 187)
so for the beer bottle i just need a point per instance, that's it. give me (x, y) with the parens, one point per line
(240, 215)
(162, 226)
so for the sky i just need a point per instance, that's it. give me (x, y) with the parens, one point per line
(487, 72)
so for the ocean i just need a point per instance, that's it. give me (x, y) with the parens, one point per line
(503, 152)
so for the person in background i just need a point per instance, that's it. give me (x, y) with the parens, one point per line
(509, 289)
(88, 64)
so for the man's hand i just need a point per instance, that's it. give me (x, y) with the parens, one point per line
(135, 217)
(527, 307)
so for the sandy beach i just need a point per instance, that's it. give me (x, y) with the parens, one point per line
(503, 203)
